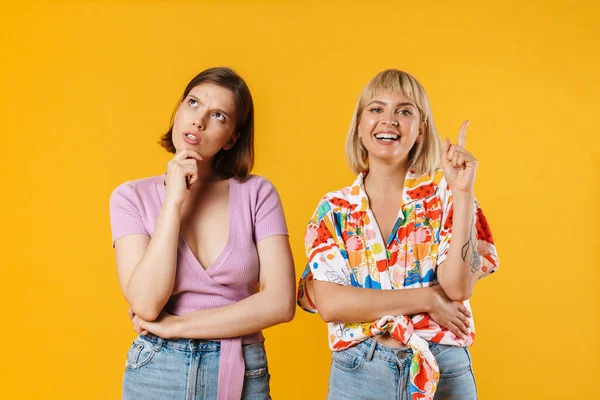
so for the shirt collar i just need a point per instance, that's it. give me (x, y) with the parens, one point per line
(416, 187)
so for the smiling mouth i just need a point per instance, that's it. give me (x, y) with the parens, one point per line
(387, 137)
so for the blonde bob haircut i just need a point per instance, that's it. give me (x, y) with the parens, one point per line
(424, 157)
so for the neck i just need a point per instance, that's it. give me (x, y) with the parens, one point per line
(386, 178)
(206, 176)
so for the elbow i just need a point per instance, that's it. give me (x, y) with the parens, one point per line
(147, 315)
(458, 287)
(144, 306)
(326, 317)
(330, 307)
(146, 312)
(328, 314)
(459, 293)
(288, 313)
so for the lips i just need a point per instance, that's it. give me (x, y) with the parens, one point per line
(191, 138)
(387, 136)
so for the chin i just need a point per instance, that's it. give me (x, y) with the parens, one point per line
(391, 159)
(181, 145)
(385, 156)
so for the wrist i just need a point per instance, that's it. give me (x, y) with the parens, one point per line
(463, 197)
(177, 326)
(172, 205)
(431, 299)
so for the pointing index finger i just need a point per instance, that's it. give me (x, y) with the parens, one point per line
(462, 134)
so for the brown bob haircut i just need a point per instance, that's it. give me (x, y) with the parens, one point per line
(238, 161)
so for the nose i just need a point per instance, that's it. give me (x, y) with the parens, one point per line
(199, 120)
(390, 120)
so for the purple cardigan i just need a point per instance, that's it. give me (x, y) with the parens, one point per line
(255, 212)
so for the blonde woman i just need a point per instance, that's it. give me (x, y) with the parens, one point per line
(394, 257)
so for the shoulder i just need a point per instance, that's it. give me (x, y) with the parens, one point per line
(136, 189)
(419, 186)
(257, 192)
(252, 179)
(347, 199)
(256, 184)
(345, 194)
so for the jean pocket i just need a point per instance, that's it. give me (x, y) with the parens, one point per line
(255, 360)
(454, 362)
(347, 360)
(140, 354)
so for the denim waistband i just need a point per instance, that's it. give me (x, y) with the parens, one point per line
(186, 344)
(182, 344)
(371, 348)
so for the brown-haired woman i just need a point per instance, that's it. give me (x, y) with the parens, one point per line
(202, 254)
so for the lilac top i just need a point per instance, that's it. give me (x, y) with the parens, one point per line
(255, 212)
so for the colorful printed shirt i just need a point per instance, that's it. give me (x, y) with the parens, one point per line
(344, 245)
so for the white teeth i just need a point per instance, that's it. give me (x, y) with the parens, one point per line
(387, 136)
(189, 135)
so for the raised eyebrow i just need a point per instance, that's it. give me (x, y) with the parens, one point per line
(194, 97)
(217, 109)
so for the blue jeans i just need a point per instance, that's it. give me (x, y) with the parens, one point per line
(187, 369)
(371, 370)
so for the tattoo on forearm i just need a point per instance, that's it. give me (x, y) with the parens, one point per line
(471, 244)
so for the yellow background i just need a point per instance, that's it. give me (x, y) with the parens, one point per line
(88, 88)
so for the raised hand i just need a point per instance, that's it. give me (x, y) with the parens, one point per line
(182, 172)
(458, 164)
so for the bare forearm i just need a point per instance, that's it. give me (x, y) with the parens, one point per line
(462, 265)
(151, 282)
(254, 313)
(338, 303)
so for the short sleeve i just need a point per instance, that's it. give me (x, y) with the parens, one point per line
(125, 216)
(269, 219)
(485, 241)
(326, 255)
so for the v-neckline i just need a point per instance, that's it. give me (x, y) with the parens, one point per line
(185, 249)
(378, 233)
(395, 227)
(397, 222)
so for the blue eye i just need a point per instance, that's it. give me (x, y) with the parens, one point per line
(192, 102)
(219, 116)
(405, 112)
(376, 110)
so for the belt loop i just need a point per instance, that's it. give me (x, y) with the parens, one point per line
(371, 351)
(158, 345)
